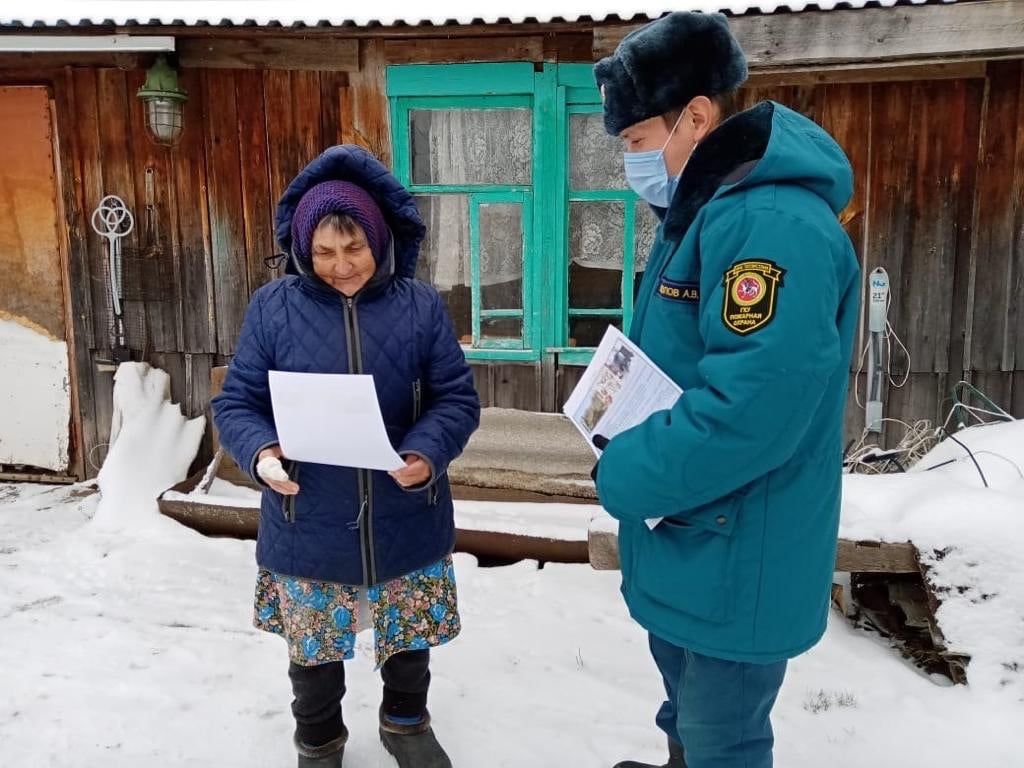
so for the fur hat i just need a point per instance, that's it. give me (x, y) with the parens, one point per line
(665, 64)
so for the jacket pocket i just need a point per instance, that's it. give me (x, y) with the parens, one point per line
(689, 564)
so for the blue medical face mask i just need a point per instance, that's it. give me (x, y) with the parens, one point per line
(647, 173)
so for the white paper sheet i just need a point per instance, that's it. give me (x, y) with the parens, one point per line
(620, 389)
(330, 418)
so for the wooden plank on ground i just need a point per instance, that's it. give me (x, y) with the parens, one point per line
(981, 29)
(876, 557)
(281, 53)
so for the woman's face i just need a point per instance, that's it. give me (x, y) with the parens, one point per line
(343, 260)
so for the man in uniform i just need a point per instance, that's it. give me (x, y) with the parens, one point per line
(749, 302)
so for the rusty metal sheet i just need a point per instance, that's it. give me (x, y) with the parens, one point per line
(31, 287)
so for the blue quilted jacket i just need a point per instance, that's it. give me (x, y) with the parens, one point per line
(350, 526)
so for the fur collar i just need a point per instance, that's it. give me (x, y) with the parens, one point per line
(735, 145)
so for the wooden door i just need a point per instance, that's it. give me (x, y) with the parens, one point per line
(35, 389)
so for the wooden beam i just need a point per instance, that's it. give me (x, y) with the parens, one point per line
(979, 29)
(870, 72)
(36, 477)
(118, 60)
(463, 49)
(876, 557)
(853, 556)
(257, 52)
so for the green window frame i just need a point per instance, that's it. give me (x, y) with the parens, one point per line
(553, 93)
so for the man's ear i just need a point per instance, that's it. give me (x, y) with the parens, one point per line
(703, 116)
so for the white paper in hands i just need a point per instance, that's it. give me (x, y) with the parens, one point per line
(331, 418)
(620, 389)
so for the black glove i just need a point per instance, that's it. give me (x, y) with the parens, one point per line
(601, 442)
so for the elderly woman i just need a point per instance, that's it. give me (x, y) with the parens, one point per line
(340, 548)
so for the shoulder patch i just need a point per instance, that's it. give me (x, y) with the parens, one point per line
(751, 295)
(675, 290)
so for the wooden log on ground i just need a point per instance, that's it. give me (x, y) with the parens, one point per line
(852, 556)
(215, 519)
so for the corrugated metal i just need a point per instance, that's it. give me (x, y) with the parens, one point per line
(126, 13)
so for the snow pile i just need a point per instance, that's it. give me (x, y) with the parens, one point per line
(971, 539)
(35, 400)
(152, 446)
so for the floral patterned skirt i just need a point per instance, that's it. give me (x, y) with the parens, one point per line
(320, 619)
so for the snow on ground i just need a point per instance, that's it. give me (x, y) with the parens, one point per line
(133, 647)
(126, 640)
(971, 538)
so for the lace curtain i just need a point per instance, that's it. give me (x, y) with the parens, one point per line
(463, 146)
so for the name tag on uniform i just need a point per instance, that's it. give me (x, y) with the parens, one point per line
(674, 290)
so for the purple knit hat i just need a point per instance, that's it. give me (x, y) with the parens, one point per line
(339, 197)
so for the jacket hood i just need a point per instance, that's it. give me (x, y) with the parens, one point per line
(767, 144)
(348, 162)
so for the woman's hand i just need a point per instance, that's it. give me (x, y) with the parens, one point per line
(269, 468)
(415, 472)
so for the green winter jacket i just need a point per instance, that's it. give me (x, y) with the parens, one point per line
(750, 303)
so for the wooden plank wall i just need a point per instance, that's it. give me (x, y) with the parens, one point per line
(205, 208)
(940, 190)
(938, 169)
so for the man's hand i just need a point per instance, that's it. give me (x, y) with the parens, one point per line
(270, 469)
(415, 472)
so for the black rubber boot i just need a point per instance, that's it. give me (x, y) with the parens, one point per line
(330, 755)
(413, 746)
(675, 759)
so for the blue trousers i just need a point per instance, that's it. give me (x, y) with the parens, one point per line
(718, 710)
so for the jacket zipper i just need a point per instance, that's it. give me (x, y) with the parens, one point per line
(290, 501)
(417, 400)
(364, 522)
(417, 411)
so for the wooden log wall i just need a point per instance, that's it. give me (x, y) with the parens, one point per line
(939, 166)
